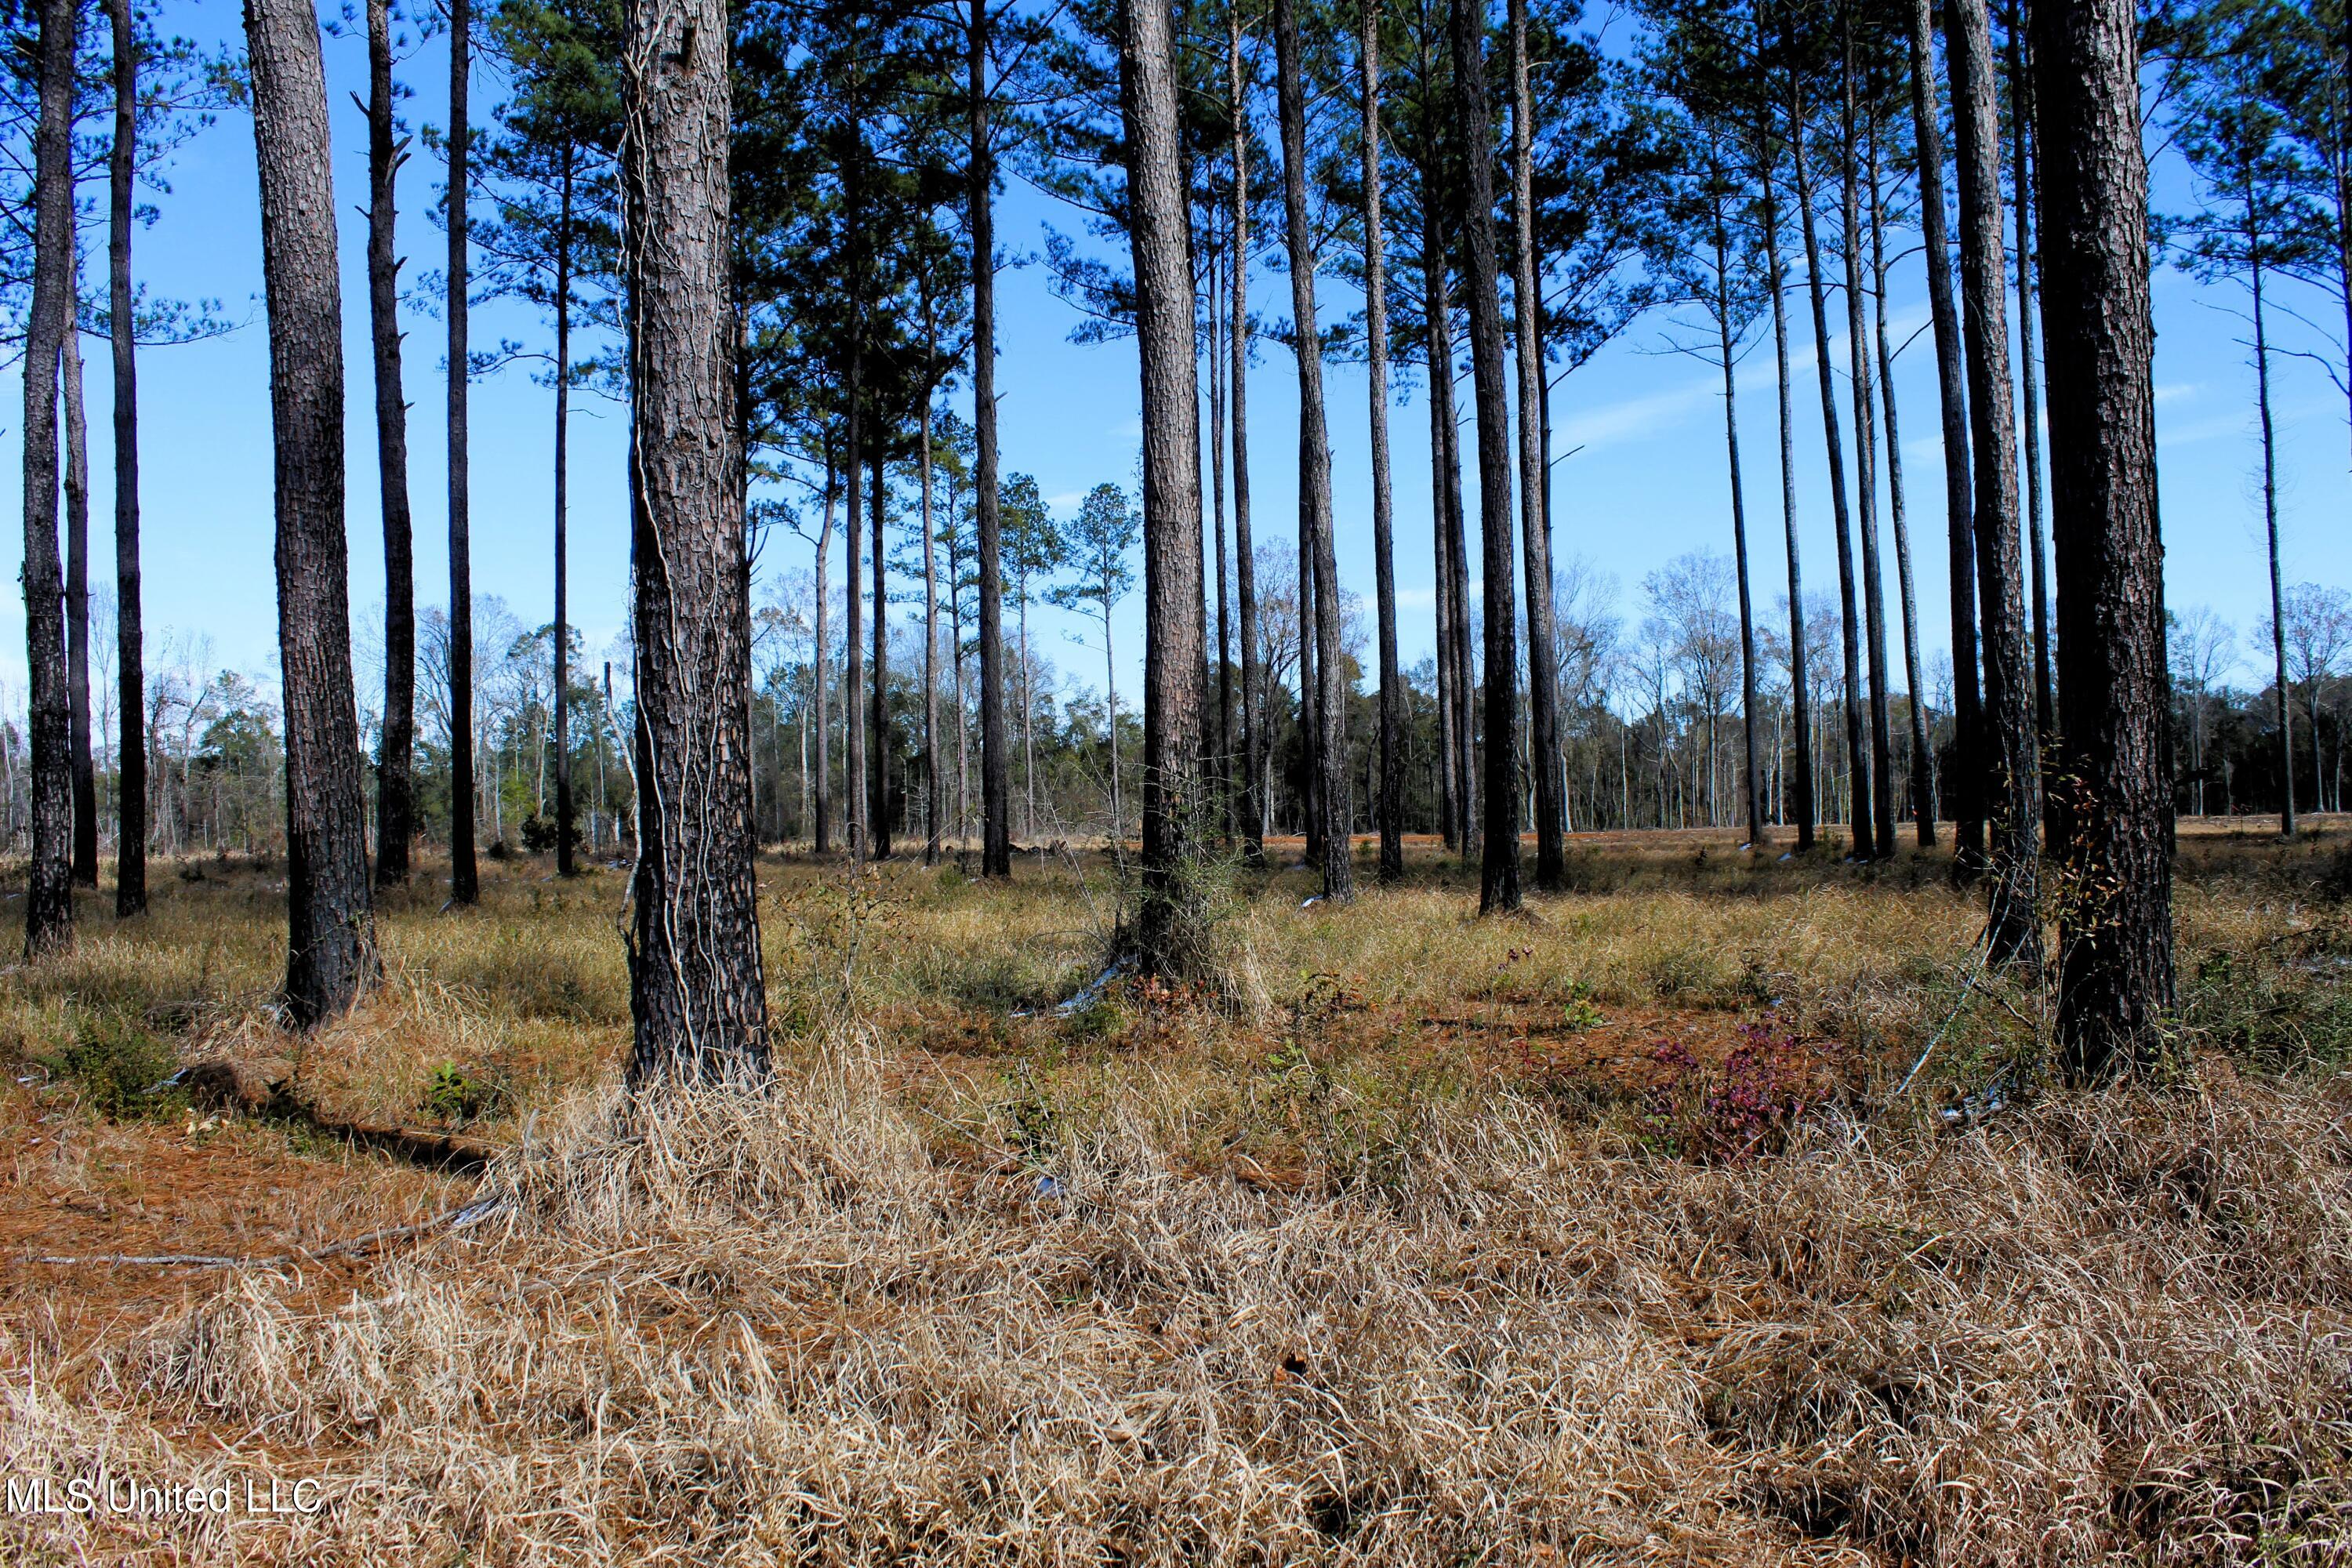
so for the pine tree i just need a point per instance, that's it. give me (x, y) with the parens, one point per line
(1326, 705)
(2115, 982)
(332, 937)
(1962, 783)
(396, 809)
(2012, 778)
(131, 764)
(465, 886)
(697, 992)
(1498, 881)
(49, 899)
(1169, 932)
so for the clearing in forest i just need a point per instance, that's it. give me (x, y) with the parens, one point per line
(1609, 1234)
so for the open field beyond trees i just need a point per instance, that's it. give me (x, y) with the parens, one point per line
(1602, 1235)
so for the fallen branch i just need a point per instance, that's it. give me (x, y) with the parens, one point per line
(462, 1217)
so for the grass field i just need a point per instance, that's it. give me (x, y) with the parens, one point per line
(1715, 1212)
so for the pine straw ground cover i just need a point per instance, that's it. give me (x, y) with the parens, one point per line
(1361, 1276)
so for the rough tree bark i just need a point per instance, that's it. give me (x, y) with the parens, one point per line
(1169, 930)
(130, 762)
(2020, 162)
(332, 927)
(1535, 515)
(49, 899)
(1498, 875)
(696, 991)
(463, 882)
(2116, 973)
(995, 791)
(1330, 709)
(396, 779)
(1962, 782)
(2012, 784)
(1376, 347)
(85, 770)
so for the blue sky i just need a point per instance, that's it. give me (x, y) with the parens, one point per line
(1646, 482)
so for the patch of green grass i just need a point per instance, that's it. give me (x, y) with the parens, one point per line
(2284, 1004)
(118, 1065)
(456, 1094)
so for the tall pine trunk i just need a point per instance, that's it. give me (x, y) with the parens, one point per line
(2116, 975)
(464, 884)
(332, 927)
(853, 464)
(130, 762)
(1390, 791)
(995, 794)
(2013, 783)
(563, 811)
(934, 779)
(1254, 694)
(1453, 548)
(2279, 685)
(1328, 778)
(955, 663)
(1310, 695)
(697, 994)
(1721, 236)
(2021, 159)
(880, 806)
(1865, 461)
(396, 779)
(1439, 352)
(1170, 931)
(48, 900)
(85, 770)
(1962, 782)
(1923, 755)
(1857, 756)
(1223, 782)
(1801, 704)
(821, 836)
(1535, 514)
(1498, 878)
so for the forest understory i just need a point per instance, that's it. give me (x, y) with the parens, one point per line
(1713, 1212)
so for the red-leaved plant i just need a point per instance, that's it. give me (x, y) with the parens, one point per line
(1765, 1085)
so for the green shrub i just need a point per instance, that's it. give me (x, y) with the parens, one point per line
(118, 1065)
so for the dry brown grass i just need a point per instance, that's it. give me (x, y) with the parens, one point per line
(1330, 1283)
